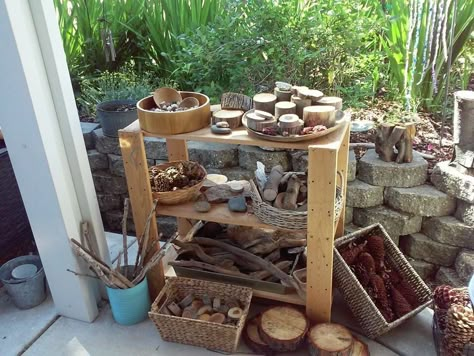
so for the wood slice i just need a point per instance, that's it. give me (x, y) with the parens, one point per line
(258, 123)
(218, 318)
(283, 328)
(278, 203)
(253, 340)
(232, 117)
(265, 102)
(331, 101)
(300, 104)
(295, 89)
(282, 95)
(360, 348)
(319, 115)
(270, 190)
(312, 94)
(284, 107)
(236, 101)
(329, 339)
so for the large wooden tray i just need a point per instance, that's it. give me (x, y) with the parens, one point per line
(341, 117)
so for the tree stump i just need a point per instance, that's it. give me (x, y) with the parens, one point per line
(284, 107)
(329, 339)
(391, 135)
(253, 340)
(283, 328)
(330, 100)
(463, 131)
(319, 115)
(232, 117)
(282, 95)
(300, 104)
(265, 102)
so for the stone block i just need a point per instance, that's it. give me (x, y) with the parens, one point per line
(233, 173)
(465, 265)
(109, 202)
(424, 269)
(350, 228)
(371, 169)
(363, 195)
(97, 160)
(167, 225)
(249, 155)
(299, 160)
(155, 148)
(215, 155)
(449, 230)
(106, 144)
(116, 167)
(465, 212)
(424, 200)
(394, 222)
(87, 132)
(448, 276)
(420, 246)
(348, 214)
(352, 167)
(105, 182)
(449, 180)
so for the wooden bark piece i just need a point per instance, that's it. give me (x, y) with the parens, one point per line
(253, 340)
(300, 104)
(236, 101)
(405, 145)
(283, 328)
(329, 339)
(270, 190)
(284, 107)
(388, 135)
(330, 100)
(319, 115)
(291, 195)
(265, 102)
(282, 95)
(232, 117)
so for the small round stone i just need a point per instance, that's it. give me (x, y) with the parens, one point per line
(202, 206)
(220, 130)
(222, 124)
(236, 187)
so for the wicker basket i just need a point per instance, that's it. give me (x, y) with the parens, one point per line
(289, 219)
(180, 195)
(201, 333)
(361, 305)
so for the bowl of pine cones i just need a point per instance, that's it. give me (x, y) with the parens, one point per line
(176, 182)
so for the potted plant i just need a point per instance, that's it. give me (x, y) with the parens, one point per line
(114, 97)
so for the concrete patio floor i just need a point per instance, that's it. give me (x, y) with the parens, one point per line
(39, 331)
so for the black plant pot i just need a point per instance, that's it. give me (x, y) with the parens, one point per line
(111, 119)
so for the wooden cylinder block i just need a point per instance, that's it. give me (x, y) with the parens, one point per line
(312, 94)
(232, 117)
(300, 104)
(282, 95)
(329, 339)
(284, 107)
(258, 123)
(319, 115)
(331, 101)
(295, 89)
(265, 102)
(290, 124)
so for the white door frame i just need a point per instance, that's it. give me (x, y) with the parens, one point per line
(40, 123)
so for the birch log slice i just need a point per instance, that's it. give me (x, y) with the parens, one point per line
(253, 340)
(265, 102)
(282, 95)
(330, 340)
(300, 104)
(319, 115)
(232, 117)
(284, 107)
(331, 101)
(283, 328)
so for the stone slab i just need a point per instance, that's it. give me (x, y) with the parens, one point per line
(465, 212)
(109, 202)
(233, 173)
(87, 132)
(371, 169)
(420, 246)
(249, 155)
(349, 213)
(446, 275)
(155, 148)
(352, 167)
(465, 265)
(449, 180)
(424, 200)
(215, 155)
(97, 160)
(449, 230)
(106, 144)
(424, 269)
(106, 182)
(362, 195)
(395, 223)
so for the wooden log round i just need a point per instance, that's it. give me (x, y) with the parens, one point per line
(282, 95)
(253, 340)
(278, 203)
(265, 102)
(295, 89)
(312, 94)
(232, 117)
(284, 107)
(258, 123)
(290, 124)
(319, 115)
(300, 104)
(283, 328)
(236, 101)
(291, 196)
(329, 339)
(270, 190)
(331, 101)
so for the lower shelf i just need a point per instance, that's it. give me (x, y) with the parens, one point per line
(292, 298)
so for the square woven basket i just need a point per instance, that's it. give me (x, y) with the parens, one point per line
(361, 305)
(194, 332)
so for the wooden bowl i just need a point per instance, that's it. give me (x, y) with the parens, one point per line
(172, 123)
(167, 95)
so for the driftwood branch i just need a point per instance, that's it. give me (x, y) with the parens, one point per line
(208, 267)
(124, 232)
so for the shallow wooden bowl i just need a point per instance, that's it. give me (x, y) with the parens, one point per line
(172, 123)
(167, 95)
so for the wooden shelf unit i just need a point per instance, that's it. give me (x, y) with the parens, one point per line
(326, 156)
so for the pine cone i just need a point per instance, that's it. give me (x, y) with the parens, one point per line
(376, 247)
(362, 275)
(395, 278)
(459, 328)
(380, 295)
(407, 291)
(445, 296)
(351, 252)
(367, 261)
(400, 304)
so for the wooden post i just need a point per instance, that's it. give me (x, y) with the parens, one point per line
(321, 193)
(139, 190)
(342, 166)
(178, 151)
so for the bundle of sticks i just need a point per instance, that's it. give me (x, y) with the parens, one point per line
(122, 276)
